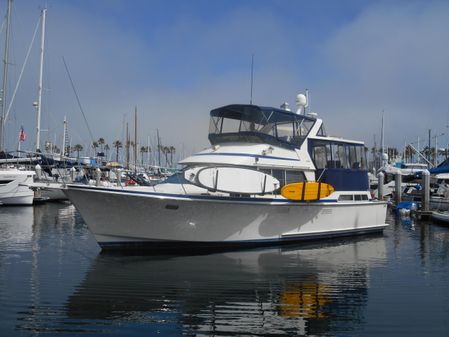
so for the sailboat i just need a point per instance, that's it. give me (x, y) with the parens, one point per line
(14, 180)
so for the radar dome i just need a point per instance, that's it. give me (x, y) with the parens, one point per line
(301, 100)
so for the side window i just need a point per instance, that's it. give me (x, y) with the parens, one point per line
(294, 177)
(321, 131)
(328, 155)
(335, 162)
(285, 131)
(345, 197)
(230, 125)
(319, 156)
(344, 162)
(279, 175)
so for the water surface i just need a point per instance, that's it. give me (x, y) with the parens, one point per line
(55, 282)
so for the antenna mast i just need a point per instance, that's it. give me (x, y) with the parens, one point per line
(252, 77)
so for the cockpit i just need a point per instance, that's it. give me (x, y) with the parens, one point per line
(255, 124)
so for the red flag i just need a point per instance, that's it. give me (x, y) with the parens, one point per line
(22, 135)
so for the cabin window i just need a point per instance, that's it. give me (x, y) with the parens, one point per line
(328, 154)
(279, 175)
(345, 197)
(319, 156)
(361, 154)
(303, 127)
(246, 126)
(359, 197)
(335, 162)
(322, 131)
(215, 125)
(285, 131)
(294, 177)
(342, 156)
(229, 125)
(4, 182)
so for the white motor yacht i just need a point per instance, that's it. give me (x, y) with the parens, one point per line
(14, 186)
(230, 194)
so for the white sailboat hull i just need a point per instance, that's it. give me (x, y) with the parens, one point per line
(126, 218)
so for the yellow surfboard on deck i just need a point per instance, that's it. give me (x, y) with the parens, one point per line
(306, 191)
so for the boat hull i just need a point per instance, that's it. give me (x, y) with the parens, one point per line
(131, 219)
(16, 191)
(52, 191)
(441, 217)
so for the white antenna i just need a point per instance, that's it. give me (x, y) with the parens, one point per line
(252, 78)
(308, 101)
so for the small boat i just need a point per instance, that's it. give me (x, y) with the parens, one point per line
(230, 195)
(13, 186)
(441, 217)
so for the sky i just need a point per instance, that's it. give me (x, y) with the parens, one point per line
(175, 60)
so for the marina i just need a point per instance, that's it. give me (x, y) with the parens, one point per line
(213, 168)
(54, 281)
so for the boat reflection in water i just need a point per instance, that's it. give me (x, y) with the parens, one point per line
(313, 289)
(16, 227)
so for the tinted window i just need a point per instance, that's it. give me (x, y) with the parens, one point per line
(345, 197)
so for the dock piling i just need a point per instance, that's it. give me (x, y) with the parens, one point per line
(97, 176)
(397, 187)
(426, 190)
(380, 186)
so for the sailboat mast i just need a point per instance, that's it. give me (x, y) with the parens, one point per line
(5, 77)
(64, 138)
(39, 96)
(158, 148)
(127, 146)
(382, 135)
(135, 139)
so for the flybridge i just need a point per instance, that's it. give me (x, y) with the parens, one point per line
(256, 124)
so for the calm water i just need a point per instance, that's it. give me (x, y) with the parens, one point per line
(55, 282)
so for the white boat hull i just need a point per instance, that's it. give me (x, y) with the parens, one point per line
(439, 203)
(48, 191)
(14, 190)
(441, 217)
(121, 218)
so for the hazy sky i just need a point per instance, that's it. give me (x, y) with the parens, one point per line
(177, 60)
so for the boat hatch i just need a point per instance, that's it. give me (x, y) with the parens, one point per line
(255, 124)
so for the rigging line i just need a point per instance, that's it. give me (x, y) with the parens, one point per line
(77, 99)
(3, 26)
(21, 71)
